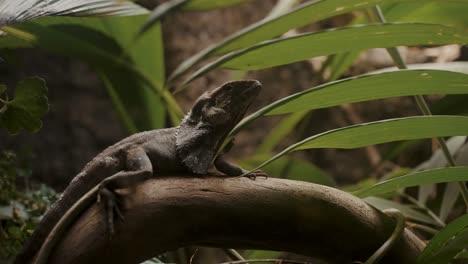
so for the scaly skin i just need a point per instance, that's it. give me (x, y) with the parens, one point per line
(188, 148)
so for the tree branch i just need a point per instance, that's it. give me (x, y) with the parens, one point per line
(167, 213)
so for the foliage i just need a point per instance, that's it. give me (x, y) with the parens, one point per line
(26, 108)
(425, 24)
(19, 211)
(121, 51)
(7, 179)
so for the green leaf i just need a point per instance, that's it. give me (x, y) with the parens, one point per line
(134, 69)
(20, 11)
(409, 212)
(27, 107)
(363, 88)
(381, 132)
(415, 179)
(441, 248)
(328, 42)
(147, 54)
(305, 14)
(452, 13)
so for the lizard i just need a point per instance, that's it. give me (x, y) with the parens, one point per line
(192, 147)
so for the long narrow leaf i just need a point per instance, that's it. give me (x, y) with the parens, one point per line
(279, 51)
(307, 13)
(365, 88)
(381, 132)
(440, 241)
(415, 179)
(439, 12)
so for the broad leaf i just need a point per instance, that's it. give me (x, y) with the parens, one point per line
(27, 107)
(14, 11)
(132, 68)
(415, 179)
(381, 132)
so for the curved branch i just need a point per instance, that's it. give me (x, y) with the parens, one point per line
(167, 213)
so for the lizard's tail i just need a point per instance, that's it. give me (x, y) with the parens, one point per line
(71, 194)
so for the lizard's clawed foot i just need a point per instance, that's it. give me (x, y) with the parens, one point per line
(253, 175)
(112, 204)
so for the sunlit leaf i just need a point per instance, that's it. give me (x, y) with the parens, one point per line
(439, 175)
(452, 13)
(381, 132)
(307, 13)
(309, 45)
(13, 11)
(363, 88)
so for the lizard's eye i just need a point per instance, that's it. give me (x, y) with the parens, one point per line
(216, 116)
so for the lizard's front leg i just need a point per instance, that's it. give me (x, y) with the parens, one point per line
(138, 169)
(233, 170)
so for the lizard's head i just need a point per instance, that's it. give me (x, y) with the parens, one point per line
(213, 116)
(224, 106)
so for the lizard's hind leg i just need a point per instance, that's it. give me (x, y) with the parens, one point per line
(138, 169)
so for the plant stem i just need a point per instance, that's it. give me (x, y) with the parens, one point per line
(424, 228)
(392, 240)
(424, 208)
(422, 105)
(18, 33)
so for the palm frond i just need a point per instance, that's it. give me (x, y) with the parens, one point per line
(15, 11)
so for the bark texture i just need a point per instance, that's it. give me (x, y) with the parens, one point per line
(166, 213)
